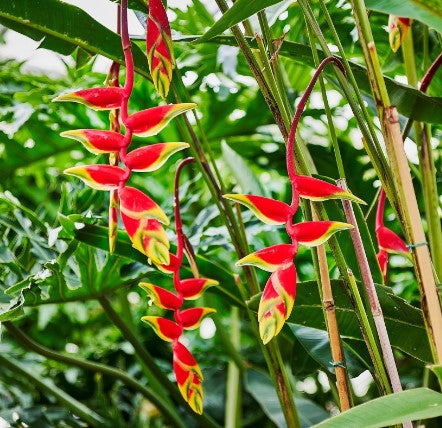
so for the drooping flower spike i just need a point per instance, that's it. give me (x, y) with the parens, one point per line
(159, 47)
(388, 241)
(277, 299)
(187, 372)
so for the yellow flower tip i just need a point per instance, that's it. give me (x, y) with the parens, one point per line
(212, 282)
(65, 98)
(74, 134)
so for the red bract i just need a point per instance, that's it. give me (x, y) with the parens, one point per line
(267, 210)
(319, 190)
(390, 242)
(194, 287)
(191, 318)
(137, 205)
(150, 158)
(188, 376)
(97, 141)
(276, 302)
(314, 233)
(270, 258)
(397, 29)
(161, 297)
(166, 329)
(151, 121)
(100, 177)
(95, 98)
(159, 47)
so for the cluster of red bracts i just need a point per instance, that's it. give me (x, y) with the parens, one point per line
(388, 241)
(278, 297)
(397, 30)
(141, 216)
(187, 372)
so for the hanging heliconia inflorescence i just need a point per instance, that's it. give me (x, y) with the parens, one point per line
(278, 297)
(141, 216)
(187, 372)
(388, 241)
(397, 30)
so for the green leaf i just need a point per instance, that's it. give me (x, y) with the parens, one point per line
(420, 403)
(404, 322)
(262, 390)
(241, 10)
(427, 11)
(62, 27)
(409, 101)
(242, 172)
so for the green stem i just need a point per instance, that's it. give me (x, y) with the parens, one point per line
(233, 387)
(79, 409)
(148, 393)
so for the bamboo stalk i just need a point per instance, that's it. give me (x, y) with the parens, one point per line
(332, 327)
(375, 306)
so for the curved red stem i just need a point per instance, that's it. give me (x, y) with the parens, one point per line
(380, 210)
(428, 77)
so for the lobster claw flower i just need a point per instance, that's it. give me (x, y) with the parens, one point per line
(390, 242)
(271, 258)
(148, 237)
(188, 376)
(191, 318)
(276, 302)
(166, 329)
(106, 98)
(313, 233)
(397, 29)
(137, 205)
(159, 47)
(268, 210)
(100, 177)
(192, 288)
(151, 121)
(153, 157)
(161, 297)
(113, 219)
(97, 141)
(319, 190)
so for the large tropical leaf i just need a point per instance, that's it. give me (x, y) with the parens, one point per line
(62, 28)
(420, 403)
(409, 101)
(404, 322)
(427, 11)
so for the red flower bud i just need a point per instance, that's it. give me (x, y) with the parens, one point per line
(95, 98)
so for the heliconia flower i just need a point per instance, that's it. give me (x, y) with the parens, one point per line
(159, 47)
(192, 288)
(171, 267)
(148, 237)
(138, 205)
(113, 219)
(397, 29)
(161, 297)
(100, 177)
(319, 190)
(188, 376)
(271, 258)
(151, 121)
(97, 141)
(153, 157)
(313, 233)
(164, 328)
(95, 98)
(390, 242)
(276, 302)
(383, 262)
(191, 318)
(268, 210)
